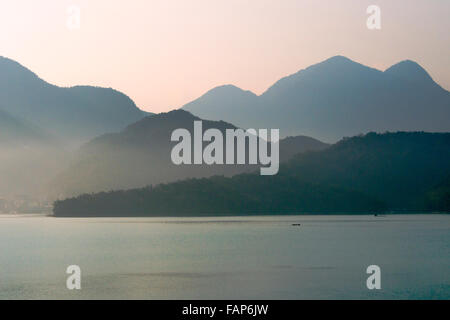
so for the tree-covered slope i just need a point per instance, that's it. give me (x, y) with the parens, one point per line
(375, 172)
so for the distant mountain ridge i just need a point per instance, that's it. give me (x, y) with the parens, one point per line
(76, 113)
(140, 155)
(335, 98)
(41, 123)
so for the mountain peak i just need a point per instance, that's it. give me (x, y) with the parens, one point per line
(410, 70)
(335, 70)
(228, 89)
(339, 63)
(338, 59)
(228, 98)
(74, 114)
(177, 116)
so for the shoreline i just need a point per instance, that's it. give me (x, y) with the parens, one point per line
(254, 215)
(308, 214)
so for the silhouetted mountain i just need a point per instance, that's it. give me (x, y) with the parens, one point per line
(291, 146)
(75, 114)
(141, 155)
(411, 71)
(397, 168)
(334, 99)
(224, 99)
(371, 173)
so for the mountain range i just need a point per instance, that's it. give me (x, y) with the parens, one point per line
(73, 115)
(328, 101)
(41, 124)
(334, 99)
(402, 172)
(123, 147)
(140, 155)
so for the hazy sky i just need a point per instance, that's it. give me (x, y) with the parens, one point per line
(165, 53)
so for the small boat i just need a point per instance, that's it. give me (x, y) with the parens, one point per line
(379, 215)
(296, 224)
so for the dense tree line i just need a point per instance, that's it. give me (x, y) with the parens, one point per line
(371, 173)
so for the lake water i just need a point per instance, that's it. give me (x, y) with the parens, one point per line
(226, 258)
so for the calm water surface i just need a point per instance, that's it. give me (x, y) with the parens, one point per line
(226, 258)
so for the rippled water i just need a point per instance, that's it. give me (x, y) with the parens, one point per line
(226, 258)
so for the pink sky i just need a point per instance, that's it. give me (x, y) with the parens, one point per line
(165, 53)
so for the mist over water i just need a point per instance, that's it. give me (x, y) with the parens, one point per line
(226, 258)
